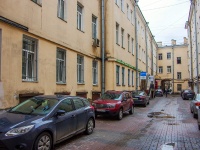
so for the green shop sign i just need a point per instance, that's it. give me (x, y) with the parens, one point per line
(128, 65)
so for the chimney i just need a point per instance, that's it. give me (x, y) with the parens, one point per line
(173, 42)
(185, 40)
(159, 44)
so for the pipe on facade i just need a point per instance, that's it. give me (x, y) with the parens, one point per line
(173, 65)
(136, 42)
(152, 55)
(102, 47)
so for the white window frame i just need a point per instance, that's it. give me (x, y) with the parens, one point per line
(117, 33)
(160, 56)
(132, 78)
(80, 69)
(62, 13)
(61, 66)
(95, 72)
(29, 54)
(123, 76)
(129, 82)
(94, 27)
(169, 56)
(117, 75)
(128, 37)
(132, 46)
(39, 2)
(128, 16)
(179, 75)
(160, 69)
(80, 17)
(122, 5)
(168, 69)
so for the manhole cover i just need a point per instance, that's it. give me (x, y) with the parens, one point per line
(168, 146)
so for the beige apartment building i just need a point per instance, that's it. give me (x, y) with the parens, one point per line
(61, 47)
(193, 29)
(173, 66)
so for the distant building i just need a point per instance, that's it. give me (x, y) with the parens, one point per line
(173, 66)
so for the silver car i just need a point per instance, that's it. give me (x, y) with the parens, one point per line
(194, 105)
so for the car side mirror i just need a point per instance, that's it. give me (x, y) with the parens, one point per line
(60, 112)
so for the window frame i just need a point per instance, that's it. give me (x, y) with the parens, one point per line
(34, 59)
(160, 69)
(169, 69)
(123, 76)
(94, 27)
(64, 15)
(179, 75)
(117, 75)
(168, 55)
(178, 60)
(160, 56)
(80, 17)
(80, 69)
(117, 33)
(95, 72)
(63, 78)
(122, 37)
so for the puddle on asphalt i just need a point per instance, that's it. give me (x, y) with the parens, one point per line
(168, 146)
(159, 115)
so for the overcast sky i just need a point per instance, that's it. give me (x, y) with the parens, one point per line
(166, 18)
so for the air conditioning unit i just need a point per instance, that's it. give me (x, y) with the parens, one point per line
(96, 43)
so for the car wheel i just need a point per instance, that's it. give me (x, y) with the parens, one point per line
(148, 102)
(191, 110)
(131, 111)
(199, 127)
(43, 141)
(89, 126)
(120, 114)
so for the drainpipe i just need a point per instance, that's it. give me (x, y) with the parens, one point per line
(136, 42)
(197, 52)
(173, 65)
(146, 55)
(191, 56)
(152, 55)
(102, 48)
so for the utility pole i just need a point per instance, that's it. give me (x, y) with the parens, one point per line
(136, 42)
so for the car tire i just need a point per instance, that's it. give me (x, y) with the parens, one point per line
(145, 105)
(199, 127)
(148, 102)
(90, 126)
(120, 114)
(43, 141)
(131, 111)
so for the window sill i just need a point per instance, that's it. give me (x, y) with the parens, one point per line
(129, 85)
(95, 85)
(123, 47)
(81, 83)
(29, 81)
(118, 85)
(123, 85)
(118, 44)
(37, 4)
(60, 83)
(62, 19)
(129, 51)
(80, 30)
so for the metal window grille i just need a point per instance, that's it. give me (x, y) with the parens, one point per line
(94, 27)
(80, 69)
(117, 74)
(95, 72)
(29, 59)
(79, 17)
(61, 66)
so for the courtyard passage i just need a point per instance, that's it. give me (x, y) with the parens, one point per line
(165, 124)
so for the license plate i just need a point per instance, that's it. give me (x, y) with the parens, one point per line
(100, 110)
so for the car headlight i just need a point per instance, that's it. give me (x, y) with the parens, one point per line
(111, 105)
(20, 130)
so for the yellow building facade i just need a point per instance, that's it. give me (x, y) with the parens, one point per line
(55, 47)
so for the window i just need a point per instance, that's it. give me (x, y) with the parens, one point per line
(168, 69)
(159, 56)
(178, 60)
(123, 76)
(117, 33)
(66, 105)
(132, 78)
(78, 103)
(127, 11)
(179, 87)
(29, 59)
(178, 75)
(95, 72)
(61, 66)
(80, 17)
(80, 69)
(131, 16)
(117, 74)
(168, 55)
(122, 5)
(128, 43)
(61, 9)
(39, 2)
(132, 45)
(160, 69)
(122, 36)
(94, 27)
(129, 77)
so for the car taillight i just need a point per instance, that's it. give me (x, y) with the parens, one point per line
(197, 103)
(92, 107)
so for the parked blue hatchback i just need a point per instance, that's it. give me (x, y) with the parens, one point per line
(42, 121)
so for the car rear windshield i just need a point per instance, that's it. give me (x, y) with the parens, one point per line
(114, 96)
(136, 93)
(36, 106)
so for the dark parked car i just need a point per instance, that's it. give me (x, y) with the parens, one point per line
(158, 92)
(194, 105)
(42, 121)
(140, 97)
(114, 103)
(188, 94)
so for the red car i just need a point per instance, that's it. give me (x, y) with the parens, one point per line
(114, 103)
